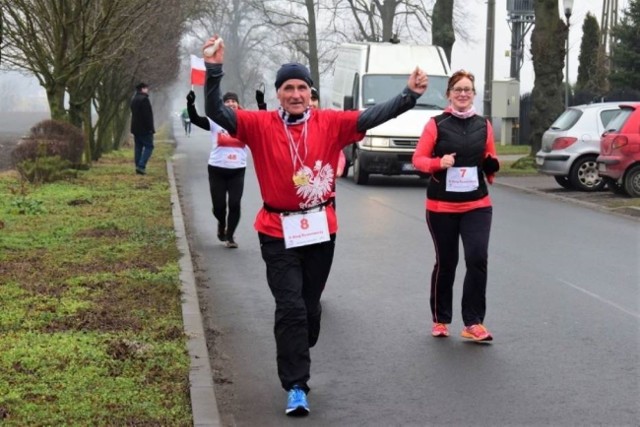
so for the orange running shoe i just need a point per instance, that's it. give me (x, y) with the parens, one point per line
(476, 332)
(439, 330)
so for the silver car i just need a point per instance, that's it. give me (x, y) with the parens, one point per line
(572, 144)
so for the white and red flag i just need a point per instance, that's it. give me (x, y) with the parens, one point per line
(198, 71)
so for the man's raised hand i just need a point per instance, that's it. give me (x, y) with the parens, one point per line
(213, 50)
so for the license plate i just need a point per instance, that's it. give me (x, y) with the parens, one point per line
(602, 167)
(408, 167)
(539, 161)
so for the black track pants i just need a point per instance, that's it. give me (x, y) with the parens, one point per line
(446, 229)
(296, 278)
(225, 183)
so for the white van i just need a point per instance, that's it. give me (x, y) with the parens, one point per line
(368, 73)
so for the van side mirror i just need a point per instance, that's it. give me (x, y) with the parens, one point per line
(347, 103)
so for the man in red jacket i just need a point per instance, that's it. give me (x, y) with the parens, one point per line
(295, 151)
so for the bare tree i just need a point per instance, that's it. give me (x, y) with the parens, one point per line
(548, 53)
(69, 46)
(59, 41)
(294, 27)
(407, 20)
(244, 34)
(385, 20)
(153, 58)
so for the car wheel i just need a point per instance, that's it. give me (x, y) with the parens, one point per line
(564, 182)
(584, 175)
(360, 176)
(632, 181)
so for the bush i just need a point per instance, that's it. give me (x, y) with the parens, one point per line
(58, 139)
(49, 151)
(45, 169)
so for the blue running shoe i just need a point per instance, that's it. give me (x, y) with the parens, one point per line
(297, 405)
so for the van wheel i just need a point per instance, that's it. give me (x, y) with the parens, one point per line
(632, 181)
(345, 171)
(563, 181)
(360, 176)
(584, 175)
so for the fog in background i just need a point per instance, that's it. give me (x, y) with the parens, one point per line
(19, 92)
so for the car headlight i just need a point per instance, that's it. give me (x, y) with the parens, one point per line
(374, 141)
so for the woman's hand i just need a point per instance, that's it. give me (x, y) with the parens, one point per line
(448, 160)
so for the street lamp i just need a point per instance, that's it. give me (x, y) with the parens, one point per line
(568, 7)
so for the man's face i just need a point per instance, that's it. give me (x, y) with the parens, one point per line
(315, 103)
(232, 103)
(294, 96)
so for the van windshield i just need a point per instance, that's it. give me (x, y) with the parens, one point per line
(378, 88)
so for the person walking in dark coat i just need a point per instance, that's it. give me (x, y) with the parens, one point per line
(142, 127)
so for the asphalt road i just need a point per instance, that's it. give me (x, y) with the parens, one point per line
(563, 305)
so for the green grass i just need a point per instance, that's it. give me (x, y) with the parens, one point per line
(513, 149)
(90, 320)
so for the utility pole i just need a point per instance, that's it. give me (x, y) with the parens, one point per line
(608, 20)
(521, 17)
(488, 59)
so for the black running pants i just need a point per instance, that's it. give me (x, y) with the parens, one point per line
(296, 277)
(226, 187)
(447, 229)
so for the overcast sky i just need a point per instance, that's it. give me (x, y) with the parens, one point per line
(471, 56)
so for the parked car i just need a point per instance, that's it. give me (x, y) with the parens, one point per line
(572, 144)
(619, 159)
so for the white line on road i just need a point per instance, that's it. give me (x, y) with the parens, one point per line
(599, 298)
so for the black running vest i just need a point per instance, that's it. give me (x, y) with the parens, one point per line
(468, 139)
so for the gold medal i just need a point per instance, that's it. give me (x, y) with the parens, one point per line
(300, 179)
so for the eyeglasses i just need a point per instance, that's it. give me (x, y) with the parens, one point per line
(459, 90)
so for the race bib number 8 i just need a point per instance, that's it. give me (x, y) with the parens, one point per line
(305, 228)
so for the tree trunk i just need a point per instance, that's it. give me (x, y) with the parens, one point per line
(55, 98)
(443, 34)
(90, 151)
(548, 51)
(313, 44)
(387, 14)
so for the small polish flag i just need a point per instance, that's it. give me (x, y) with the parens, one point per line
(198, 71)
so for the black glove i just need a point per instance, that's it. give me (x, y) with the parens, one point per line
(191, 98)
(490, 165)
(259, 97)
(260, 100)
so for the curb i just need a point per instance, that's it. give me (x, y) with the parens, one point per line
(561, 198)
(203, 399)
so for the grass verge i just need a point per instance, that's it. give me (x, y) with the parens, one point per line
(513, 149)
(91, 324)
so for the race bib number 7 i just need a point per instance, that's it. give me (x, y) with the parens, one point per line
(462, 179)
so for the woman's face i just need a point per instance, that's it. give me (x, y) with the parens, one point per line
(461, 95)
(232, 103)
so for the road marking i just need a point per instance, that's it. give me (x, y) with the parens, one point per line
(599, 298)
